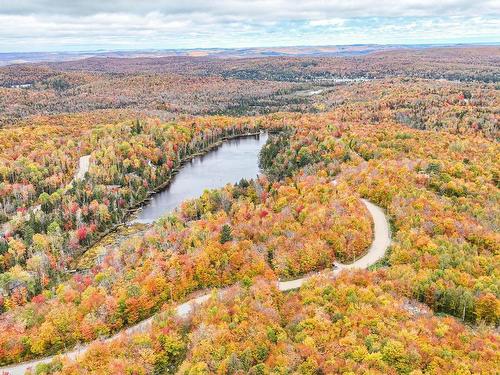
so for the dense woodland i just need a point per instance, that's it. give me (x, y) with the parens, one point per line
(354, 324)
(419, 139)
(170, 86)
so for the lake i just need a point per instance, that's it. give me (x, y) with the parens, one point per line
(230, 162)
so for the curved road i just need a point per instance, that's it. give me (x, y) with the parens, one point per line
(381, 242)
(83, 167)
(377, 250)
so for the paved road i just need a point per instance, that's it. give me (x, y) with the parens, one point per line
(380, 244)
(83, 167)
(182, 311)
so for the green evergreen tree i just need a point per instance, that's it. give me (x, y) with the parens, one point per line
(137, 127)
(226, 234)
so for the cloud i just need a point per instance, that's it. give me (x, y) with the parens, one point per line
(328, 22)
(258, 9)
(123, 24)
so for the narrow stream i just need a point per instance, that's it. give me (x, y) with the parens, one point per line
(233, 160)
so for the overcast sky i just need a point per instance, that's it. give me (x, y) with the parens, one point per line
(69, 25)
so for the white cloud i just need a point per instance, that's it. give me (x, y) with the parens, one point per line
(78, 24)
(328, 22)
(259, 9)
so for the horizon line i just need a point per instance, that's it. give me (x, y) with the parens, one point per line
(457, 44)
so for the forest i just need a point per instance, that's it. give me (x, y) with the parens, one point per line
(419, 140)
(167, 87)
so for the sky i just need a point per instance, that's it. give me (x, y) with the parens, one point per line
(74, 25)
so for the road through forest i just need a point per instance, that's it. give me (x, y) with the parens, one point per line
(376, 251)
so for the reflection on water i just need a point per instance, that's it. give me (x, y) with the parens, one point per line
(233, 160)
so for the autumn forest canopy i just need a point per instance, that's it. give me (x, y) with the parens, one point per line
(85, 143)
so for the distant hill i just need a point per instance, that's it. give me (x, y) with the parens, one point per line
(346, 50)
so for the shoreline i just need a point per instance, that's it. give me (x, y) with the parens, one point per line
(134, 209)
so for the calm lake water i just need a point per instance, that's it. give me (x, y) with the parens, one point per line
(233, 160)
